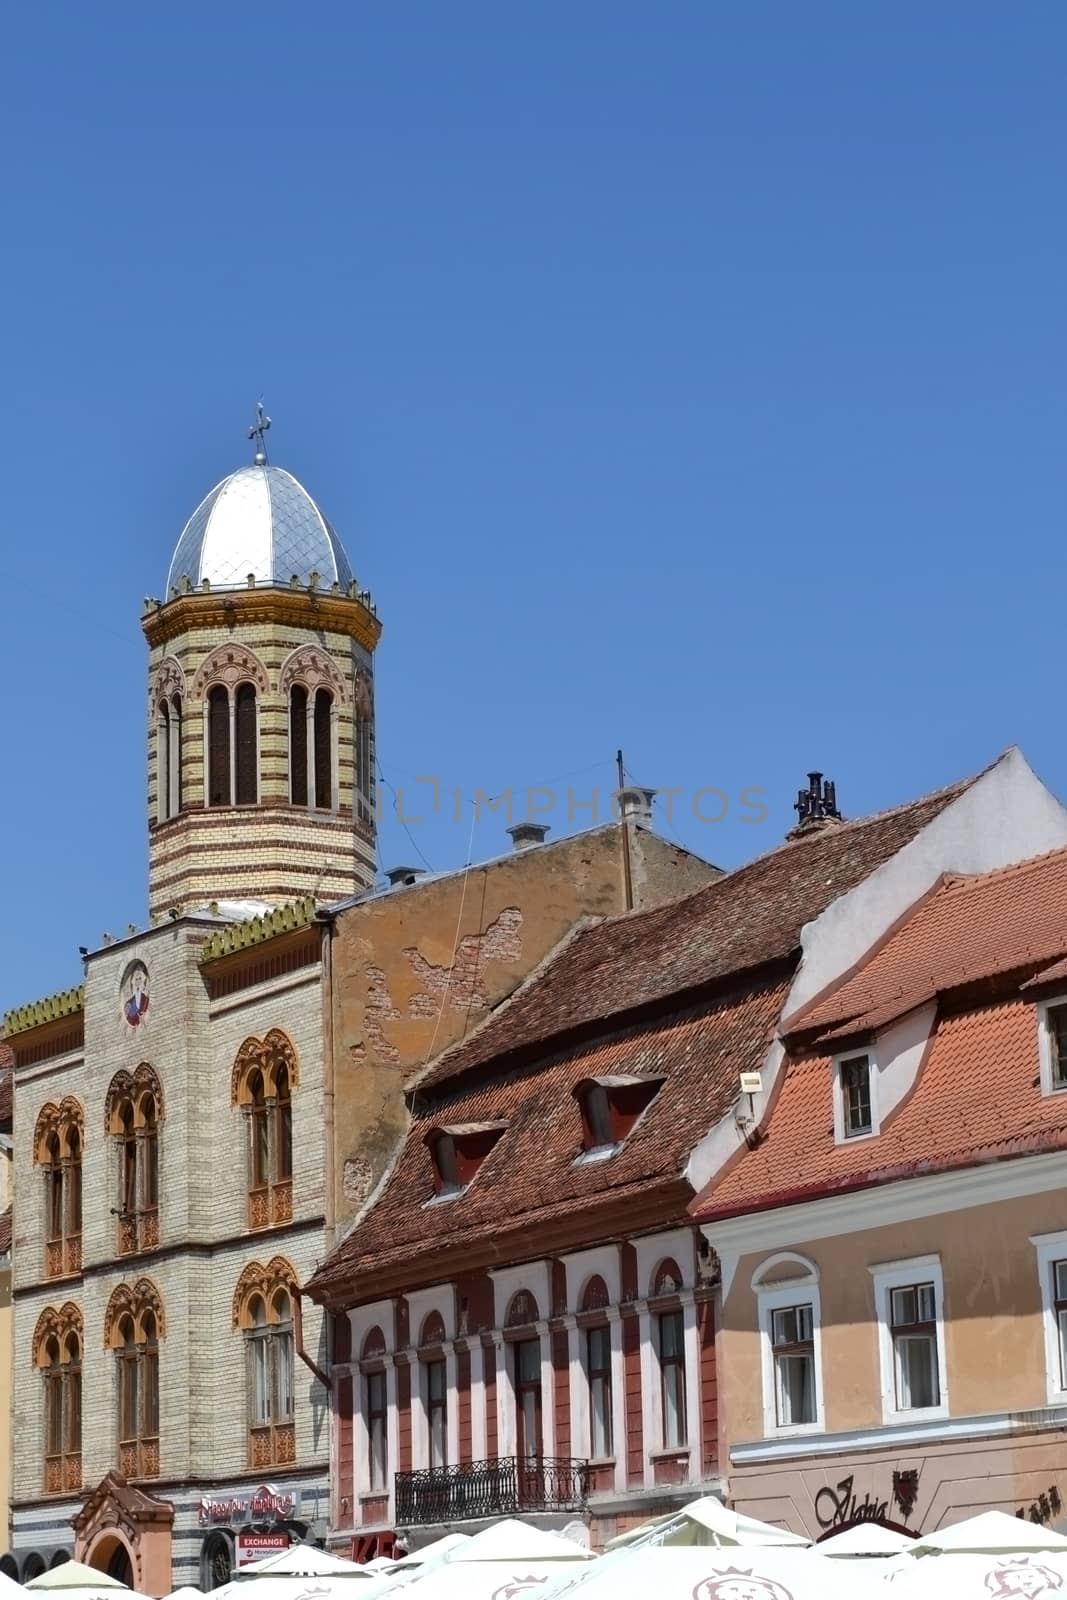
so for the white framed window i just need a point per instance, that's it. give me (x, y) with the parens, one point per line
(1051, 1251)
(790, 1340)
(1052, 1044)
(909, 1306)
(855, 1097)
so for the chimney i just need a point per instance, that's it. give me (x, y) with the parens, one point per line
(402, 876)
(526, 834)
(815, 806)
(635, 805)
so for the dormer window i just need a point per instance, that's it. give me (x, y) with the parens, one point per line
(611, 1107)
(855, 1108)
(457, 1152)
(1052, 1017)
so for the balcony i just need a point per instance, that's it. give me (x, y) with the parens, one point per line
(507, 1487)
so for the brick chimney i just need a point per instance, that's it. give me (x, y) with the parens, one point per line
(526, 834)
(815, 806)
(635, 805)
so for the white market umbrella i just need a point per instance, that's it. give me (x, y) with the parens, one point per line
(484, 1580)
(186, 1592)
(512, 1540)
(431, 1552)
(1007, 1575)
(73, 1580)
(706, 1522)
(865, 1539)
(738, 1572)
(990, 1532)
(302, 1561)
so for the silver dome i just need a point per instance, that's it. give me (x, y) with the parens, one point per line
(259, 520)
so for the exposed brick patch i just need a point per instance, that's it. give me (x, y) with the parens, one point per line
(499, 942)
(378, 1011)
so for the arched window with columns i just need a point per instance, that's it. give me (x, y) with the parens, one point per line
(58, 1139)
(263, 1313)
(133, 1110)
(265, 1073)
(57, 1354)
(230, 682)
(169, 693)
(134, 1324)
(315, 689)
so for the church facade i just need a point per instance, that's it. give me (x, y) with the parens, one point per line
(168, 1148)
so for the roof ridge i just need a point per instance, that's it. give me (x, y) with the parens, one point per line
(971, 880)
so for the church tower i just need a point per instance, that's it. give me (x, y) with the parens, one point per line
(261, 703)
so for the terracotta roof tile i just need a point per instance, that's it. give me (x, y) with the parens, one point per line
(977, 1098)
(747, 917)
(968, 929)
(530, 1177)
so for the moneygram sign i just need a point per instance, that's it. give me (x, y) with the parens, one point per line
(265, 1504)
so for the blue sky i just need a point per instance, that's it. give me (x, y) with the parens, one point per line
(686, 377)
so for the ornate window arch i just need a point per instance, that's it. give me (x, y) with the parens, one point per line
(58, 1140)
(229, 681)
(363, 744)
(265, 1073)
(133, 1111)
(314, 688)
(134, 1324)
(168, 701)
(263, 1311)
(57, 1354)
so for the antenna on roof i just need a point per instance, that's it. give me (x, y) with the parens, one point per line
(257, 432)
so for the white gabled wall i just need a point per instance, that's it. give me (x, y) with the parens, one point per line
(1007, 815)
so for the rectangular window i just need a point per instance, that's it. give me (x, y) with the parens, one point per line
(856, 1096)
(793, 1348)
(1059, 1303)
(374, 1388)
(672, 1378)
(913, 1323)
(1056, 1024)
(598, 1367)
(528, 1397)
(437, 1411)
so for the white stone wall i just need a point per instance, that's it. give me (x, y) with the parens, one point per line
(204, 1243)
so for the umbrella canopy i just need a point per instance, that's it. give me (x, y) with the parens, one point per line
(512, 1540)
(992, 1531)
(486, 1580)
(1009, 1575)
(865, 1539)
(302, 1561)
(75, 1575)
(187, 1592)
(431, 1552)
(760, 1572)
(706, 1522)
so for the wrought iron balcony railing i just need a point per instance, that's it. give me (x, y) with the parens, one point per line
(507, 1486)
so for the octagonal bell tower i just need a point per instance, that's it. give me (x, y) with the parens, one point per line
(261, 703)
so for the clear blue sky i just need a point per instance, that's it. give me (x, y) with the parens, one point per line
(687, 377)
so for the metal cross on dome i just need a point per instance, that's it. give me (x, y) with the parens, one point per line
(257, 432)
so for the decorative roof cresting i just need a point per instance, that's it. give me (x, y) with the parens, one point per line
(259, 523)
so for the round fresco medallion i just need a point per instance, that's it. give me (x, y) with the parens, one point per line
(134, 993)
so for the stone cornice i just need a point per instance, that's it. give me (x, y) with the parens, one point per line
(51, 1009)
(321, 610)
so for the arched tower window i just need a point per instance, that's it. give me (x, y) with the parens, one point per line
(133, 1327)
(323, 749)
(263, 1311)
(363, 742)
(298, 745)
(57, 1353)
(218, 747)
(174, 764)
(245, 741)
(263, 1078)
(58, 1151)
(132, 1112)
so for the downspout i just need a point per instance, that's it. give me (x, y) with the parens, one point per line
(298, 1328)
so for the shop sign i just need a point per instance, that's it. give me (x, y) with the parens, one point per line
(254, 1546)
(837, 1504)
(264, 1504)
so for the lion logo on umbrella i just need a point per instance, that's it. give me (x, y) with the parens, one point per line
(1022, 1579)
(736, 1584)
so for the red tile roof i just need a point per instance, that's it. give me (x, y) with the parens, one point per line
(529, 1180)
(967, 929)
(978, 1095)
(747, 917)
